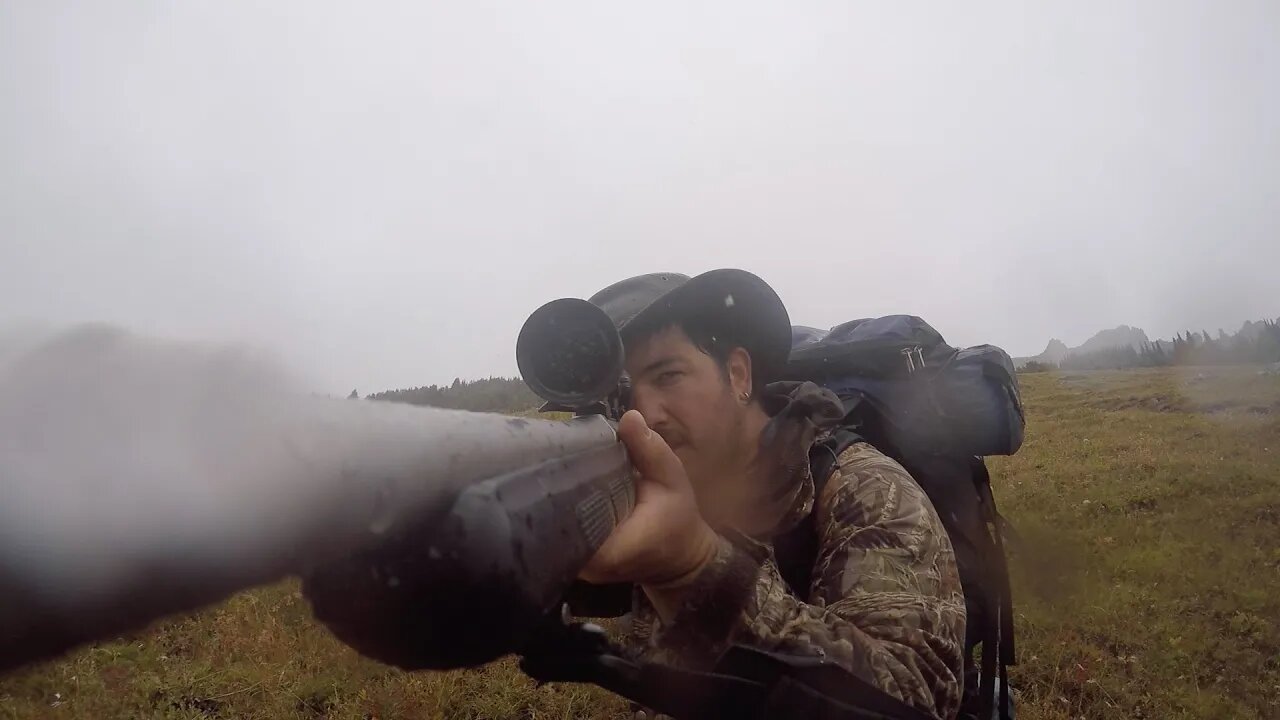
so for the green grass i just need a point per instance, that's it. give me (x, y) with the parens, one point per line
(1149, 581)
(1147, 586)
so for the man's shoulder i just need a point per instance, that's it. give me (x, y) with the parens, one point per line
(862, 467)
(862, 459)
(876, 517)
(867, 486)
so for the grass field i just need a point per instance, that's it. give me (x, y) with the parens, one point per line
(1147, 580)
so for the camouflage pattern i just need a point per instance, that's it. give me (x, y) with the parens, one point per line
(885, 601)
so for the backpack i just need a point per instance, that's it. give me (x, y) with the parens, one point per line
(936, 410)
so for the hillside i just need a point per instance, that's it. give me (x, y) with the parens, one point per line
(1148, 503)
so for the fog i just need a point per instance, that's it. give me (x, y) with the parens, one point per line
(379, 195)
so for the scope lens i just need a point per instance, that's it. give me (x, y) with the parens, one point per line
(570, 353)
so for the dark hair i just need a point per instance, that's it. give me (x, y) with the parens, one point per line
(713, 341)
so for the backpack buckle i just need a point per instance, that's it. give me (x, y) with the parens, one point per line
(916, 363)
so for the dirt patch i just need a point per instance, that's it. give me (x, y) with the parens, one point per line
(205, 706)
(1141, 505)
(316, 705)
(1156, 403)
(208, 707)
(1232, 407)
(115, 677)
(1172, 403)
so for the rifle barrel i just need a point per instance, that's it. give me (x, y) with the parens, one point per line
(140, 479)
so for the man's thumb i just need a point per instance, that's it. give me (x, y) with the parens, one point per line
(648, 451)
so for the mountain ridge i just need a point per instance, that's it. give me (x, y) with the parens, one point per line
(1121, 336)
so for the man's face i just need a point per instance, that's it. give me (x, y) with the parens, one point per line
(686, 397)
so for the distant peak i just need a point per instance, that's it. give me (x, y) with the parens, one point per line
(1054, 352)
(1118, 336)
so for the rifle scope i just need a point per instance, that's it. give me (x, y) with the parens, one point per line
(570, 354)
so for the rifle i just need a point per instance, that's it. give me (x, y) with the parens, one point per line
(141, 479)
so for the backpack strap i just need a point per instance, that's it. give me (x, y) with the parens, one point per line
(796, 550)
(824, 455)
(997, 645)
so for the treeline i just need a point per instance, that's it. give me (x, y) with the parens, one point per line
(1256, 343)
(495, 394)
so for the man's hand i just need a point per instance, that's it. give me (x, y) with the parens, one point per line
(664, 542)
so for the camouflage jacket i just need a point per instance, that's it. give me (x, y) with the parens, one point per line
(884, 602)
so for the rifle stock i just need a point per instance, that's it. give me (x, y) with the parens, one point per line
(473, 586)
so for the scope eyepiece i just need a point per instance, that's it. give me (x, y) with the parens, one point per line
(570, 354)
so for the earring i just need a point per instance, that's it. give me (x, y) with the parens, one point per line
(744, 397)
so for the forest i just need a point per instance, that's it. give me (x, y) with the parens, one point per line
(493, 394)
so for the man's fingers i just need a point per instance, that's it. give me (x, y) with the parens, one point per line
(649, 452)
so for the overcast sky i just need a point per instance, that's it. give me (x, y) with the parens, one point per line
(381, 192)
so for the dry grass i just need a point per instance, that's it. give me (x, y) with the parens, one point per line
(1148, 587)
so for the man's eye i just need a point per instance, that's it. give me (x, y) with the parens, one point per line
(667, 377)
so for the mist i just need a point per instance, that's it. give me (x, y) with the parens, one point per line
(380, 195)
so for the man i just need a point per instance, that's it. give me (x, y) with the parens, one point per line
(723, 459)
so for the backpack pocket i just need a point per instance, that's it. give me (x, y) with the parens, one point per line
(969, 406)
(977, 406)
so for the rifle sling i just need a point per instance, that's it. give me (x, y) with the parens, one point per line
(747, 683)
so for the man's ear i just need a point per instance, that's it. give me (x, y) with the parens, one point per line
(738, 367)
